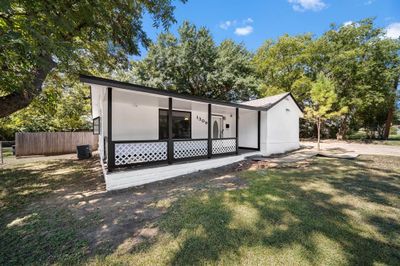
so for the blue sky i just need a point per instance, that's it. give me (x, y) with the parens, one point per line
(254, 21)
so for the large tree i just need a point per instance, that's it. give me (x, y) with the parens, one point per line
(362, 62)
(63, 105)
(192, 63)
(283, 66)
(37, 37)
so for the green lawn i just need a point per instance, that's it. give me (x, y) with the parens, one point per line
(362, 137)
(331, 212)
(7, 152)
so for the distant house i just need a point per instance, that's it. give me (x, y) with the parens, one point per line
(148, 134)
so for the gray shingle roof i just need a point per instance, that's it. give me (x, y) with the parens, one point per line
(266, 101)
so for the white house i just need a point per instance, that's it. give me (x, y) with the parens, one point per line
(148, 134)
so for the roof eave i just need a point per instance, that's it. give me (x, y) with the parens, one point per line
(134, 87)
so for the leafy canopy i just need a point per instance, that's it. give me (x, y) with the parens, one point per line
(37, 37)
(323, 104)
(192, 63)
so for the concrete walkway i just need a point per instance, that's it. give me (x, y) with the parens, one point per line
(292, 157)
(352, 147)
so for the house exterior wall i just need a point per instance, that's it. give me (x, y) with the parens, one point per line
(248, 129)
(282, 130)
(231, 131)
(199, 128)
(99, 109)
(263, 133)
(134, 121)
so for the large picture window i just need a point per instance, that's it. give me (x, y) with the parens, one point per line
(181, 124)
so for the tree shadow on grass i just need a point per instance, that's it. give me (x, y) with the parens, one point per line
(37, 233)
(290, 213)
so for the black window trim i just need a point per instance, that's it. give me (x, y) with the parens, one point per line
(179, 111)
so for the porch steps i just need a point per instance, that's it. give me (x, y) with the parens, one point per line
(124, 179)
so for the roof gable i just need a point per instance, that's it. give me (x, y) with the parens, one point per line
(271, 101)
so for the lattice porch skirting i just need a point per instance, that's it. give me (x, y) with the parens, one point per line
(220, 146)
(132, 153)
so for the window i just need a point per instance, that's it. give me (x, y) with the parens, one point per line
(181, 125)
(96, 125)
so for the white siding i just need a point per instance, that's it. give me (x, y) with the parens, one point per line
(263, 133)
(199, 128)
(231, 131)
(248, 129)
(283, 127)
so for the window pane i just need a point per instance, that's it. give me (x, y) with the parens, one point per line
(181, 125)
(96, 126)
(163, 125)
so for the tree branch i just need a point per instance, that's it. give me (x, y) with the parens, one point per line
(17, 100)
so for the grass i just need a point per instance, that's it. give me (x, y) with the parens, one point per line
(331, 212)
(334, 212)
(7, 152)
(361, 136)
(38, 233)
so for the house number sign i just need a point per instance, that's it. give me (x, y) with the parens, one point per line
(202, 120)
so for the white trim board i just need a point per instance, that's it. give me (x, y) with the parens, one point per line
(126, 179)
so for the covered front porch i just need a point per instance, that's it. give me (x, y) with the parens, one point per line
(147, 129)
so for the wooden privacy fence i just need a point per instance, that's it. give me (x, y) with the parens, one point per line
(50, 143)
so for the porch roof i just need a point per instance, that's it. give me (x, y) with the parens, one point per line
(134, 87)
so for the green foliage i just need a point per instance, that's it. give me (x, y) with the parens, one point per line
(62, 106)
(281, 66)
(38, 37)
(323, 103)
(192, 63)
(323, 100)
(360, 60)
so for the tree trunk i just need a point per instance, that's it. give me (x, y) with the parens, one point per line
(388, 123)
(341, 134)
(389, 118)
(20, 99)
(319, 134)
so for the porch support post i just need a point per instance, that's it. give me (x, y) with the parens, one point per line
(170, 146)
(237, 130)
(259, 131)
(209, 144)
(110, 143)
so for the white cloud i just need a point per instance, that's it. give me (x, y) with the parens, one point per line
(348, 23)
(369, 2)
(243, 28)
(304, 5)
(393, 30)
(243, 31)
(248, 21)
(226, 24)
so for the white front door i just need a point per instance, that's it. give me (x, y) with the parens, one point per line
(217, 128)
